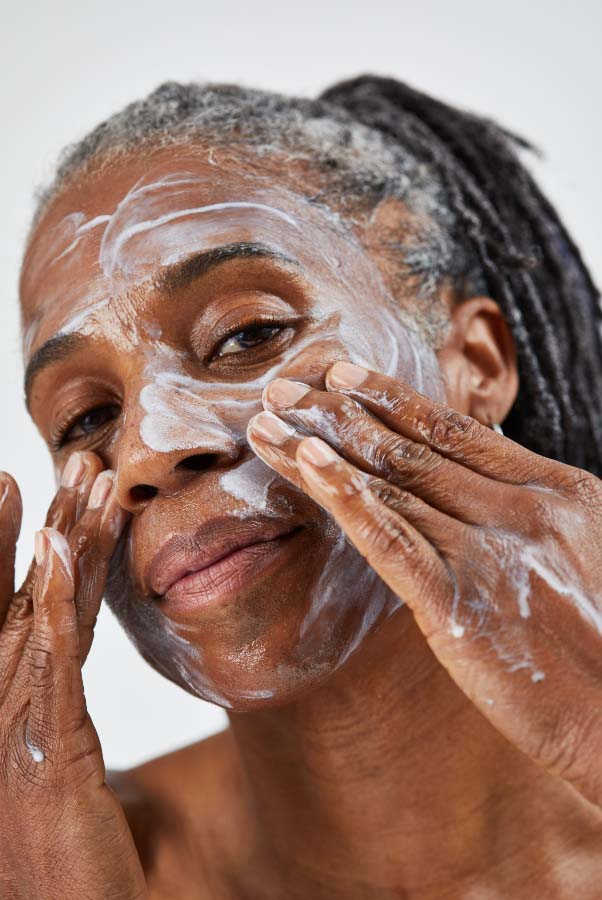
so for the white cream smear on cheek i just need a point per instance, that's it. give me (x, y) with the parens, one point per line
(249, 483)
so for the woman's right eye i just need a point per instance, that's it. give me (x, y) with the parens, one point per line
(90, 422)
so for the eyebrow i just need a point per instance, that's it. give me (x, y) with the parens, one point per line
(179, 275)
(50, 353)
(172, 278)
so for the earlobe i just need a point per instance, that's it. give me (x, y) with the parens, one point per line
(478, 361)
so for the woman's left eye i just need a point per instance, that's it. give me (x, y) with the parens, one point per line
(247, 339)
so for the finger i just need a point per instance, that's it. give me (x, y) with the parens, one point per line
(92, 543)
(57, 703)
(15, 613)
(68, 503)
(71, 498)
(456, 436)
(369, 444)
(393, 547)
(76, 481)
(11, 514)
(276, 442)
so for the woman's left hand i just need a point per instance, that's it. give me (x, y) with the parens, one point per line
(497, 550)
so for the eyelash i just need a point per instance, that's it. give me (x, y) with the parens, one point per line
(266, 321)
(60, 437)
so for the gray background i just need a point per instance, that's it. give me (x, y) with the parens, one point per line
(66, 65)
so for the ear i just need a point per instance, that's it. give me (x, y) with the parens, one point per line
(478, 361)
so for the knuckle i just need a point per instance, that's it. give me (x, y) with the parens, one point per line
(396, 456)
(40, 654)
(394, 452)
(42, 675)
(19, 612)
(385, 452)
(448, 429)
(586, 488)
(79, 540)
(541, 513)
(549, 514)
(387, 535)
(391, 495)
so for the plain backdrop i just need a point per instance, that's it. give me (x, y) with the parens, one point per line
(67, 65)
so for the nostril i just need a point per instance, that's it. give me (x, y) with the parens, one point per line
(143, 492)
(198, 462)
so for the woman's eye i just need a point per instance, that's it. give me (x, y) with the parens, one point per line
(248, 338)
(90, 422)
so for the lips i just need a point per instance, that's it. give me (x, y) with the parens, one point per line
(215, 540)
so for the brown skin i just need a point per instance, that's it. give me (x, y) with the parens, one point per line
(396, 776)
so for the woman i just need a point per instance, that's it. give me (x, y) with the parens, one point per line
(270, 343)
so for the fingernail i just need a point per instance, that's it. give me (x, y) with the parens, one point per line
(73, 471)
(346, 375)
(101, 489)
(40, 547)
(317, 452)
(286, 393)
(271, 428)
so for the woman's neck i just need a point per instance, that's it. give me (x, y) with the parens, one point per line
(389, 777)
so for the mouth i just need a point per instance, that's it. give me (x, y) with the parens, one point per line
(221, 559)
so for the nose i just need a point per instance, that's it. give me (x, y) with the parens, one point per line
(150, 466)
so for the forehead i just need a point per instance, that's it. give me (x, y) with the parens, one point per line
(113, 229)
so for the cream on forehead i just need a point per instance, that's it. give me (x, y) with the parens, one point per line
(80, 231)
(112, 257)
(142, 210)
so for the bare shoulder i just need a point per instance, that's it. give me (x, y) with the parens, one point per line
(169, 802)
(174, 780)
(169, 770)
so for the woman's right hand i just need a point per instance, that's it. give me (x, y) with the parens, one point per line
(63, 833)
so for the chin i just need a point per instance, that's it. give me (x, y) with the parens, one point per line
(267, 642)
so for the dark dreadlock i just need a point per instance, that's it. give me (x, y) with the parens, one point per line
(374, 137)
(530, 264)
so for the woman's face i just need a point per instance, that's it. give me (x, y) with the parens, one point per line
(159, 297)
